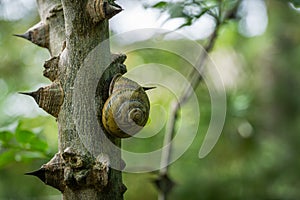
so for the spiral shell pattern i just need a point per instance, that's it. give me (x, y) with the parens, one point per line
(126, 111)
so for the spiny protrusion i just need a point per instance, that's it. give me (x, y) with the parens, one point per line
(164, 183)
(112, 10)
(102, 9)
(51, 68)
(51, 173)
(73, 170)
(117, 60)
(54, 10)
(40, 173)
(101, 170)
(38, 34)
(123, 188)
(83, 170)
(49, 98)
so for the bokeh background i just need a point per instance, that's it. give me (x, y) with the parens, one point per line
(256, 156)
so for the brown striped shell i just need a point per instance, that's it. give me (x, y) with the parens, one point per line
(126, 111)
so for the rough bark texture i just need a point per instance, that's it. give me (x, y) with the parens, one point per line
(81, 66)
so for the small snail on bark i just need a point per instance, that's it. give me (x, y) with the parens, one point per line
(126, 111)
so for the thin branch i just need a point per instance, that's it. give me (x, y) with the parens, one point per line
(175, 107)
(196, 78)
(164, 182)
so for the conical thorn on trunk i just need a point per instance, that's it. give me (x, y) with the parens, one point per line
(26, 36)
(51, 68)
(49, 98)
(112, 10)
(100, 10)
(38, 34)
(40, 173)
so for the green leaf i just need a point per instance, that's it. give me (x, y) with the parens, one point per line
(7, 157)
(37, 144)
(187, 23)
(24, 136)
(6, 136)
(26, 156)
(176, 10)
(208, 10)
(161, 4)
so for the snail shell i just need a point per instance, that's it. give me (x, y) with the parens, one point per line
(126, 111)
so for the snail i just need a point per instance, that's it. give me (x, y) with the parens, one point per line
(126, 110)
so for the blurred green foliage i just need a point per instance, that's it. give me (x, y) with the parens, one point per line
(192, 10)
(28, 138)
(256, 156)
(296, 3)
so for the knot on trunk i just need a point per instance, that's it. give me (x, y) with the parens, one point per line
(75, 171)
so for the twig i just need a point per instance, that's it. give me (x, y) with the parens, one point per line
(164, 180)
(164, 183)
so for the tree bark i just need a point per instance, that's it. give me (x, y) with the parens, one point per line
(76, 34)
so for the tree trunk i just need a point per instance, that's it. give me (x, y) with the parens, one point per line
(81, 67)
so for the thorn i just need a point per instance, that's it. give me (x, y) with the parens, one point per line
(26, 36)
(118, 58)
(123, 188)
(148, 88)
(32, 94)
(112, 10)
(164, 183)
(40, 173)
(38, 34)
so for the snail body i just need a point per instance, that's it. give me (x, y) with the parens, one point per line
(126, 111)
